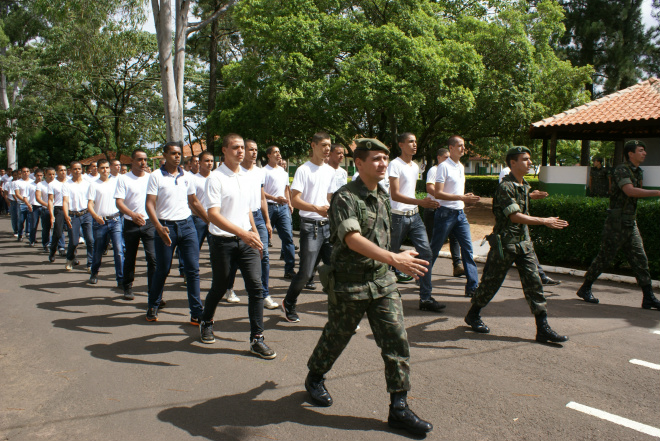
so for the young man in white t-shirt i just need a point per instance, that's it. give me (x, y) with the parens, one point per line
(450, 217)
(55, 189)
(8, 189)
(170, 203)
(130, 197)
(278, 196)
(77, 216)
(107, 222)
(335, 159)
(41, 197)
(312, 185)
(233, 239)
(429, 216)
(92, 172)
(36, 205)
(23, 192)
(406, 221)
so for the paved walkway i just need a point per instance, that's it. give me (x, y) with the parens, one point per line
(78, 362)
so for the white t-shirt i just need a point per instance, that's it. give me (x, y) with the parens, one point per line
(77, 194)
(43, 188)
(24, 188)
(56, 188)
(453, 176)
(8, 186)
(5, 178)
(200, 187)
(103, 195)
(407, 175)
(275, 182)
(133, 191)
(228, 190)
(256, 177)
(314, 183)
(90, 178)
(430, 178)
(505, 171)
(341, 178)
(172, 191)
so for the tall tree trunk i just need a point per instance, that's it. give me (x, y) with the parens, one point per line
(10, 143)
(213, 80)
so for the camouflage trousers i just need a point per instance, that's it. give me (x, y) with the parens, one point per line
(495, 272)
(385, 316)
(615, 237)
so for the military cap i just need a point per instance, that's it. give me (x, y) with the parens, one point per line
(370, 144)
(518, 149)
(634, 144)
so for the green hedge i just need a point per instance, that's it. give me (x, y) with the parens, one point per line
(578, 244)
(483, 186)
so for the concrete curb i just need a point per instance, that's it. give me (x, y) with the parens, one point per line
(568, 271)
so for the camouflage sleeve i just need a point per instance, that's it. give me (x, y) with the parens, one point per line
(344, 213)
(621, 176)
(505, 199)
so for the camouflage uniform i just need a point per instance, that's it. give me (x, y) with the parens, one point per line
(356, 284)
(510, 243)
(599, 182)
(621, 228)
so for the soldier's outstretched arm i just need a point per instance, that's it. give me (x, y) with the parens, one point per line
(550, 222)
(634, 192)
(404, 261)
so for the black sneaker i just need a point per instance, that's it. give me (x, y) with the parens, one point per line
(206, 332)
(93, 279)
(128, 294)
(310, 286)
(258, 347)
(20, 238)
(404, 278)
(431, 305)
(290, 313)
(51, 257)
(152, 315)
(290, 275)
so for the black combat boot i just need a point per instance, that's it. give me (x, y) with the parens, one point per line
(401, 417)
(473, 319)
(649, 301)
(544, 332)
(585, 293)
(314, 383)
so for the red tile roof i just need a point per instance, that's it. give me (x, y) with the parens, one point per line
(635, 107)
(124, 159)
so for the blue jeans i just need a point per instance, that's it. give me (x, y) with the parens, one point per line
(83, 222)
(454, 246)
(202, 232)
(314, 247)
(413, 228)
(24, 220)
(448, 221)
(34, 222)
(280, 219)
(184, 236)
(112, 229)
(13, 211)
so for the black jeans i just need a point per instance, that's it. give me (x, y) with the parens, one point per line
(133, 234)
(58, 229)
(224, 251)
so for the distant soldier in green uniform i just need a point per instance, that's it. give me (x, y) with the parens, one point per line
(509, 243)
(359, 281)
(620, 229)
(599, 179)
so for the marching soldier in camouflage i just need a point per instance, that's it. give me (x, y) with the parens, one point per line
(359, 281)
(620, 229)
(599, 179)
(509, 243)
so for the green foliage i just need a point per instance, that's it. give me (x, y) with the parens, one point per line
(578, 244)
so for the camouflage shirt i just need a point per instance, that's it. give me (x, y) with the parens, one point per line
(355, 208)
(511, 197)
(625, 173)
(599, 181)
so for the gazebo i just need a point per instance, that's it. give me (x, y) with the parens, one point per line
(632, 113)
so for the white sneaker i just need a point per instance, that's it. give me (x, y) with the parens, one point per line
(69, 265)
(15, 234)
(81, 240)
(231, 297)
(270, 304)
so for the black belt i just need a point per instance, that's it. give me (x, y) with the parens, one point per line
(313, 221)
(112, 216)
(276, 203)
(225, 238)
(78, 213)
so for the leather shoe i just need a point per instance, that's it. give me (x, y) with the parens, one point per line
(314, 384)
(459, 271)
(587, 295)
(550, 282)
(401, 417)
(290, 275)
(473, 320)
(544, 332)
(431, 305)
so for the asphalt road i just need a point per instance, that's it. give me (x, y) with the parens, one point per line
(78, 362)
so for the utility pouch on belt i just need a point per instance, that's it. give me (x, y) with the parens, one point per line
(496, 243)
(327, 277)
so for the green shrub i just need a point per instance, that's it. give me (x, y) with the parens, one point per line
(578, 244)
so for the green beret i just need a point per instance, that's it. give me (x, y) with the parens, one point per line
(518, 149)
(371, 144)
(634, 144)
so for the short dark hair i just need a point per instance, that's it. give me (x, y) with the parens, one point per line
(630, 148)
(47, 169)
(168, 146)
(269, 150)
(320, 136)
(453, 140)
(228, 137)
(206, 153)
(103, 161)
(114, 161)
(404, 136)
(361, 154)
(441, 151)
(333, 147)
(74, 163)
(38, 170)
(136, 151)
(60, 165)
(512, 157)
(248, 141)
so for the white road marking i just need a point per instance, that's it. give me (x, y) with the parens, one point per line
(625, 422)
(646, 364)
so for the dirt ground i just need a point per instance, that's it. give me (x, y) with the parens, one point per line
(480, 216)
